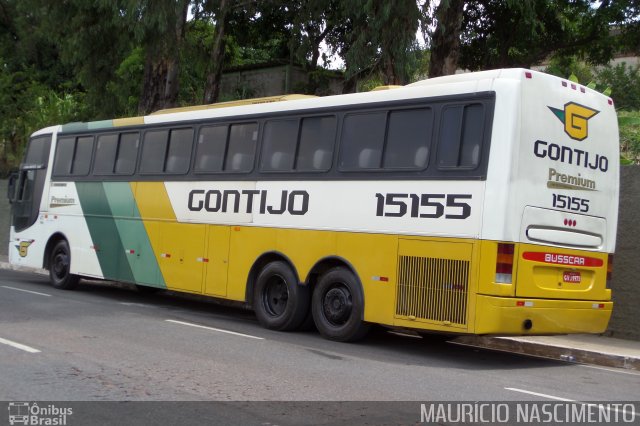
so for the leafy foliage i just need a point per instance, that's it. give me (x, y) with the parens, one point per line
(629, 122)
(88, 60)
(624, 82)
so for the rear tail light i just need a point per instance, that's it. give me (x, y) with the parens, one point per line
(504, 263)
(609, 269)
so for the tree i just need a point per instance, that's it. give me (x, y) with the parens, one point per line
(161, 32)
(376, 37)
(521, 33)
(445, 42)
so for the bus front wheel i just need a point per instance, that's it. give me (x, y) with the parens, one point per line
(60, 267)
(279, 302)
(338, 306)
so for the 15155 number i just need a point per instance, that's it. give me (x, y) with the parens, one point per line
(566, 202)
(431, 206)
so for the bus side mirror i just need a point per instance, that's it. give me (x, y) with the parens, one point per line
(11, 187)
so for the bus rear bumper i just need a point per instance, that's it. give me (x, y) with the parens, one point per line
(508, 315)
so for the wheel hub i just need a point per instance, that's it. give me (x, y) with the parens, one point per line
(61, 264)
(276, 296)
(337, 305)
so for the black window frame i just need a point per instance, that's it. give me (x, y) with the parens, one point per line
(460, 127)
(385, 141)
(228, 124)
(167, 148)
(431, 172)
(299, 119)
(75, 139)
(119, 135)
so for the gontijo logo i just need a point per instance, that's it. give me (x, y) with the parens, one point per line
(575, 118)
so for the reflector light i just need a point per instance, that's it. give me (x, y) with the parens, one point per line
(528, 74)
(610, 102)
(583, 90)
(564, 84)
(598, 306)
(573, 86)
(520, 303)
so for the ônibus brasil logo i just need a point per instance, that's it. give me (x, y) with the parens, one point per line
(575, 118)
(32, 414)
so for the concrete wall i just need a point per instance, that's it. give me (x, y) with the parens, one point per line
(625, 285)
(270, 81)
(5, 221)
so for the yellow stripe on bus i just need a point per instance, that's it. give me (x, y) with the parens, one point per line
(177, 247)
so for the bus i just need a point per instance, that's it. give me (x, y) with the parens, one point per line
(482, 203)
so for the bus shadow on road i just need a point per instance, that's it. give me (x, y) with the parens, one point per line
(381, 344)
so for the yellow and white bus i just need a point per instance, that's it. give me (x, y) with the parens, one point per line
(482, 203)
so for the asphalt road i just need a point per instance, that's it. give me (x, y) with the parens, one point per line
(106, 342)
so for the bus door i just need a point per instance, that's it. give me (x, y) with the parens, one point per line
(25, 189)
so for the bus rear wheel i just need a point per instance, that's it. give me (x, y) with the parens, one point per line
(279, 302)
(60, 267)
(338, 306)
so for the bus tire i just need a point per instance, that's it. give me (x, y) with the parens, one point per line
(279, 302)
(338, 306)
(60, 267)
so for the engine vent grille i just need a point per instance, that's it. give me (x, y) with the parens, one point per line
(433, 289)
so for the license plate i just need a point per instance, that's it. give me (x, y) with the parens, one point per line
(571, 277)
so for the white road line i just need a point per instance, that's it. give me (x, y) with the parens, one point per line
(139, 305)
(26, 291)
(612, 370)
(215, 329)
(543, 395)
(19, 346)
(557, 398)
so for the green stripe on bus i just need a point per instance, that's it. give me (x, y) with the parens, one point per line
(104, 232)
(137, 247)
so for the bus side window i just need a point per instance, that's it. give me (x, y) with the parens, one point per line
(73, 156)
(279, 141)
(408, 139)
(106, 150)
(179, 152)
(472, 133)
(82, 158)
(461, 134)
(64, 156)
(212, 144)
(242, 147)
(362, 140)
(316, 145)
(127, 153)
(154, 151)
